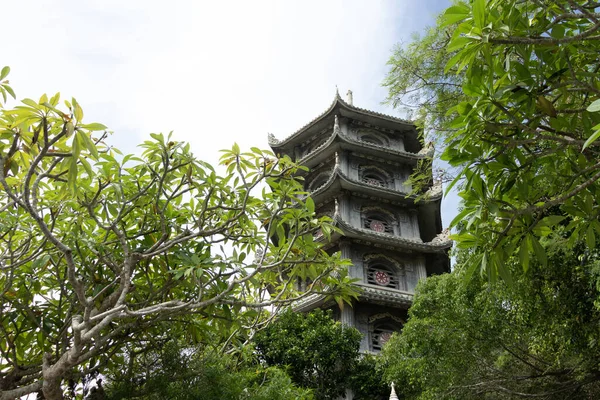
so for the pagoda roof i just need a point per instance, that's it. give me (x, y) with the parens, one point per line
(347, 143)
(339, 105)
(345, 182)
(439, 244)
(383, 295)
(371, 293)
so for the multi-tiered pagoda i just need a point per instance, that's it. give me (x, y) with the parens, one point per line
(360, 162)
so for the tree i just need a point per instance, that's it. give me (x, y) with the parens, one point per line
(320, 354)
(523, 138)
(417, 84)
(523, 134)
(476, 340)
(176, 371)
(96, 248)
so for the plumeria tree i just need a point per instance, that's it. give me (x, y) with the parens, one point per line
(97, 248)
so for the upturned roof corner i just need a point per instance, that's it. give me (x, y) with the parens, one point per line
(338, 104)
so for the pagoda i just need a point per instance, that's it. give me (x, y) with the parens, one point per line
(359, 165)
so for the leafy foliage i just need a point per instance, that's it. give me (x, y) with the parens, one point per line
(522, 137)
(474, 340)
(523, 133)
(4, 85)
(417, 86)
(319, 354)
(96, 248)
(179, 373)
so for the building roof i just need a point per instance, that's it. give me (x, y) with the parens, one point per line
(439, 244)
(339, 104)
(344, 182)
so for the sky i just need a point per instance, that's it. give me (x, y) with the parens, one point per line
(213, 72)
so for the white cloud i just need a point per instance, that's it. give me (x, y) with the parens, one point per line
(215, 72)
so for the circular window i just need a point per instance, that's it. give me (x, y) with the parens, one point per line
(377, 226)
(382, 278)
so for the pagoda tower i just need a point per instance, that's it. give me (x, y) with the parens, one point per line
(359, 163)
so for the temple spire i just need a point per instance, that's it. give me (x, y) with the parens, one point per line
(393, 395)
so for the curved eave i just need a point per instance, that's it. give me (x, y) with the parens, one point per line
(338, 103)
(384, 296)
(350, 231)
(310, 302)
(344, 182)
(346, 143)
(370, 293)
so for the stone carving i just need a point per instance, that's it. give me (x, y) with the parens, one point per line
(428, 150)
(376, 317)
(336, 125)
(442, 237)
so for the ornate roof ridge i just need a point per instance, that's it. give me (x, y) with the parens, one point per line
(273, 141)
(432, 194)
(308, 301)
(440, 242)
(347, 139)
(405, 153)
(371, 292)
(320, 147)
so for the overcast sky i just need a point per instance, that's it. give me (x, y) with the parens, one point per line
(213, 72)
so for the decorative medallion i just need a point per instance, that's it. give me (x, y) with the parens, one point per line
(381, 278)
(373, 181)
(384, 337)
(377, 226)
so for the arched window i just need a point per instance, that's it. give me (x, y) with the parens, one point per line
(382, 332)
(381, 328)
(372, 137)
(374, 176)
(378, 220)
(382, 270)
(382, 275)
(378, 223)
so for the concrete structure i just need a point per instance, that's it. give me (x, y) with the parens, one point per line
(359, 164)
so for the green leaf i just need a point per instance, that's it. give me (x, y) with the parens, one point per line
(310, 205)
(455, 14)
(474, 264)
(461, 216)
(88, 144)
(539, 251)
(479, 13)
(595, 106)
(78, 111)
(5, 71)
(592, 138)
(590, 237)
(10, 91)
(94, 126)
(524, 255)
(458, 43)
(504, 272)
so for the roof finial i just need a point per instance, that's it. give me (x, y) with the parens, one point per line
(349, 97)
(272, 139)
(393, 395)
